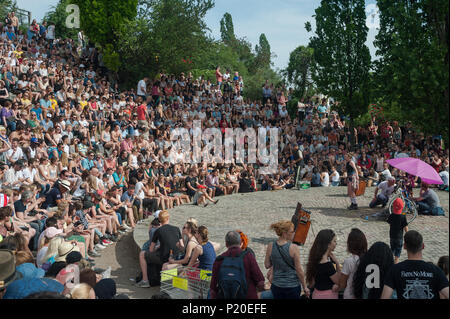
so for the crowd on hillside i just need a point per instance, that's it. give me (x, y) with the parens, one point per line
(82, 162)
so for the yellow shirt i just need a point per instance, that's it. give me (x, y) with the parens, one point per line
(54, 103)
(83, 104)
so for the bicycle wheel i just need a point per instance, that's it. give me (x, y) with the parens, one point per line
(410, 210)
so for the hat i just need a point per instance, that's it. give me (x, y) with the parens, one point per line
(34, 140)
(7, 268)
(105, 289)
(390, 178)
(65, 184)
(156, 214)
(73, 257)
(22, 288)
(397, 206)
(64, 249)
(28, 271)
(51, 232)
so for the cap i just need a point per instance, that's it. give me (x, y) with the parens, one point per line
(397, 206)
(52, 232)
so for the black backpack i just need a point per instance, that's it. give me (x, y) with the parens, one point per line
(231, 282)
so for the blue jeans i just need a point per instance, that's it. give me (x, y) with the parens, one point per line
(286, 293)
(119, 217)
(335, 183)
(380, 200)
(424, 208)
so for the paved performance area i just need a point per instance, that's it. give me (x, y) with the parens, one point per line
(254, 213)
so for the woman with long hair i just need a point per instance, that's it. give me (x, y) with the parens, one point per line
(204, 252)
(356, 246)
(321, 273)
(284, 256)
(379, 254)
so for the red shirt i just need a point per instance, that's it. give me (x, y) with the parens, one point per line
(253, 274)
(141, 112)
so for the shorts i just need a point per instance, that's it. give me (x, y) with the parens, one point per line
(152, 258)
(396, 246)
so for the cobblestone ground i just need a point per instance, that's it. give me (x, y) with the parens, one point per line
(254, 213)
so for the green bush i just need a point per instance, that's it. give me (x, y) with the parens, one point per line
(292, 107)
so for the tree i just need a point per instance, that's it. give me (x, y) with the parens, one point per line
(298, 71)
(58, 16)
(412, 70)
(167, 35)
(227, 29)
(102, 20)
(341, 58)
(263, 53)
(6, 6)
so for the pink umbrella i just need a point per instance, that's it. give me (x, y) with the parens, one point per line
(417, 167)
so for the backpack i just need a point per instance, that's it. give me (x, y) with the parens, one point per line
(231, 282)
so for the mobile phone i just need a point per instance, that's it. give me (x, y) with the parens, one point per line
(24, 228)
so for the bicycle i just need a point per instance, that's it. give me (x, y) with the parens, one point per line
(410, 208)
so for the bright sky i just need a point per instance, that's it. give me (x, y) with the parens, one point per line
(283, 22)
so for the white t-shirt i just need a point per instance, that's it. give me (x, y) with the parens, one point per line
(139, 88)
(336, 177)
(139, 190)
(18, 154)
(326, 180)
(444, 177)
(349, 269)
(385, 190)
(51, 32)
(29, 173)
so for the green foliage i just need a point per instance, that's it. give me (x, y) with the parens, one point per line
(341, 58)
(292, 108)
(298, 71)
(412, 72)
(263, 53)
(253, 82)
(227, 29)
(5, 7)
(58, 15)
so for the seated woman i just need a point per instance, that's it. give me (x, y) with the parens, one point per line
(204, 252)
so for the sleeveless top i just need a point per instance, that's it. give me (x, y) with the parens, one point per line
(284, 276)
(208, 257)
(350, 169)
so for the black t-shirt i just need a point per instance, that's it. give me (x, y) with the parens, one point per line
(19, 206)
(245, 185)
(323, 280)
(168, 236)
(416, 279)
(51, 197)
(192, 181)
(397, 222)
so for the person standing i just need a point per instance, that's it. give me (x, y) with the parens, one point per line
(414, 278)
(284, 256)
(323, 269)
(142, 88)
(398, 224)
(356, 246)
(352, 180)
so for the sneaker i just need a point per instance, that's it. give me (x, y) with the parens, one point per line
(94, 253)
(114, 238)
(100, 246)
(143, 284)
(106, 242)
(122, 232)
(90, 260)
(107, 273)
(126, 227)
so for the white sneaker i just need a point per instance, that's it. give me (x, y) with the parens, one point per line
(100, 246)
(126, 226)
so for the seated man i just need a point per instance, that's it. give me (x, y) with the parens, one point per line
(428, 202)
(386, 189)
(170, 240)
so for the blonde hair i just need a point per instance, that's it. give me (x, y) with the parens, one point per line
(282, 227)
(53, 248)
(80, 291)
(193, 221)
(163, 216)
